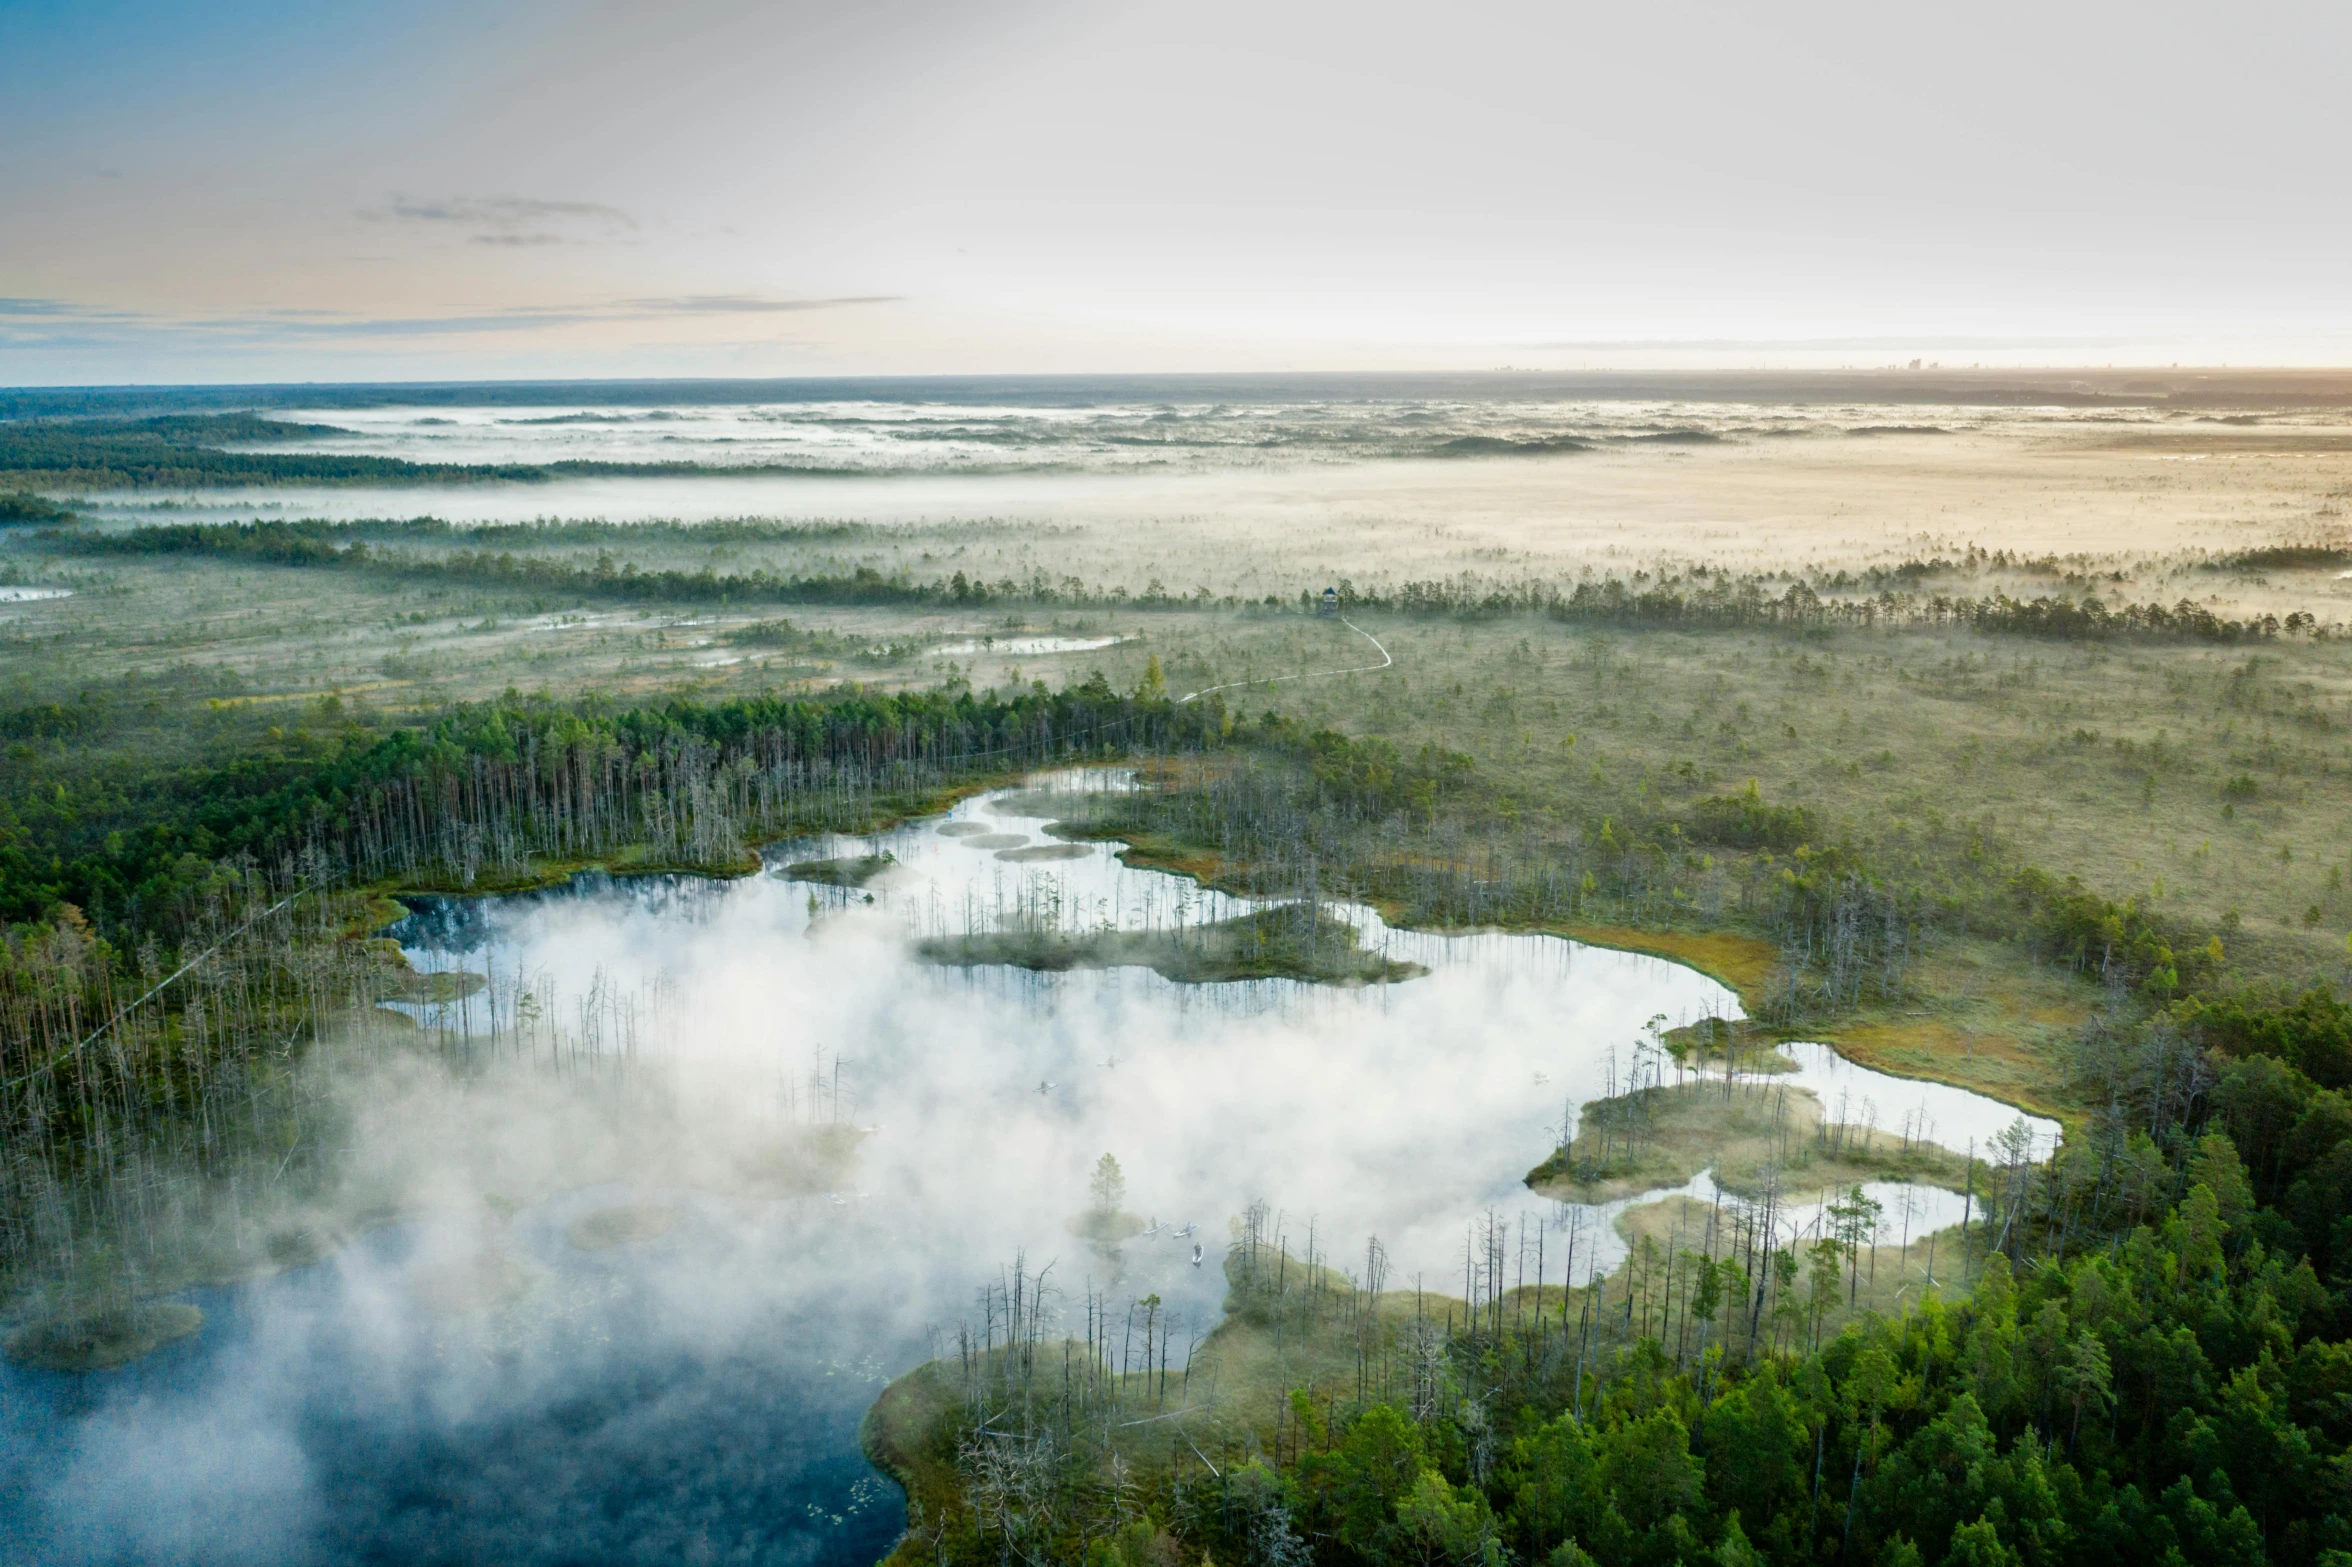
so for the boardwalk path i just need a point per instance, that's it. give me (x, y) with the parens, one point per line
(1317, 674)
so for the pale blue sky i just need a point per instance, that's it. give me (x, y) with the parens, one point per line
(560, 187)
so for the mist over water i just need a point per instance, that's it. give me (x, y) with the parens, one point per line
(475, 1379)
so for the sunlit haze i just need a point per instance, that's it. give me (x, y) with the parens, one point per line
(542, 188)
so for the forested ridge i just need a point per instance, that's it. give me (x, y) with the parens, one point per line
(181, 931)
(2143, 1354)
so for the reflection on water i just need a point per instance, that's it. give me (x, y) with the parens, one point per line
(687, 1380)
(1910, 1109)
(1028, 647)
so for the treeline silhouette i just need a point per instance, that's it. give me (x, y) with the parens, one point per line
(1713, 601)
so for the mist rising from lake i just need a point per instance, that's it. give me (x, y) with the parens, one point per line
(472, 1380)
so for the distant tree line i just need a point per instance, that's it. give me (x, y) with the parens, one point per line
(1701, 601)
(1707, 601)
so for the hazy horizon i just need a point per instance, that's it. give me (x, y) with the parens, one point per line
(568, 188)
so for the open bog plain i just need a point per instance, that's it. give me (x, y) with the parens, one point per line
(565, 934)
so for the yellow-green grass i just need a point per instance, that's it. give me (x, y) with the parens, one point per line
(1744, 962)
(1751, 1135)
(1939, 754)
(1983, 1017)
(1875, 731)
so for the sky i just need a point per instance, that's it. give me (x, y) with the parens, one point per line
(514, 188)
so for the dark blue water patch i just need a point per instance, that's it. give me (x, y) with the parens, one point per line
(730, 1460)
(278, 1434)
(439, 922)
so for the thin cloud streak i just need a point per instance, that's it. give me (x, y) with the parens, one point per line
(509, 222)
(512, 212)
(748, 304)
(62, 310)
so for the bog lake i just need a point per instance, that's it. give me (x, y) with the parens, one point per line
(621, 1311)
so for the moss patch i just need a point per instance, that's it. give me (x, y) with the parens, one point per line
(1148, 851)
(1106, 1229)
(909, 1434)
(459, 1286)
(1037, 853)
(1986, 1017)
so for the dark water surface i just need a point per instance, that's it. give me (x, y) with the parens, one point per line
(288, 1430)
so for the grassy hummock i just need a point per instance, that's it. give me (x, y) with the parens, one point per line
(853, 870)
(1752, 1135)
(626, 1225)
(1290, 941)
(807, 1161)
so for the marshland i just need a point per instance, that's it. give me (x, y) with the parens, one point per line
(834, 974)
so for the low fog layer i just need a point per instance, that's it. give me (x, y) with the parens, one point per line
(1244, 499)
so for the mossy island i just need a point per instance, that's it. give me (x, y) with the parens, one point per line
(1753, 1136)
(848, 871)
(1288, 941)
